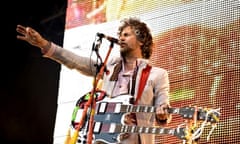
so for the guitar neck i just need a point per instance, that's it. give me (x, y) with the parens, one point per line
(185, 112)
(112, 128)
(146, 109)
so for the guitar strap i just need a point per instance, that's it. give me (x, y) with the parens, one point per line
(143, 80)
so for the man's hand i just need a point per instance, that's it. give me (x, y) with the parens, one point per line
(31, 36)
(162, 114)
(130, 119)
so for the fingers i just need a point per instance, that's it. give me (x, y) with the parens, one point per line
(162, 113)
(28, 34)
(25, 31)
(21, 37)
(130, 119)
(31, 32)
(22, 30)
(162, 109)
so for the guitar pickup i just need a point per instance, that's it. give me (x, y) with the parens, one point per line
(102, 107)
(106, 107)
(97, 127)
(100, 127)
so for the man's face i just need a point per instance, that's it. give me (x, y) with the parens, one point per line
(128, 41)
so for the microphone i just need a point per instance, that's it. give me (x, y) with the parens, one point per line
(111, 39)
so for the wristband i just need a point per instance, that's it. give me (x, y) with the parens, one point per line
(48, 50)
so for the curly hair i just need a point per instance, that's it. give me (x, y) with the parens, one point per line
(142, 32)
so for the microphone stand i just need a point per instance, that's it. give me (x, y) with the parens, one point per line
(95, 83)
(91, 103)
(92, 99)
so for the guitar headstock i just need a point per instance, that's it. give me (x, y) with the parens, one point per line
(210, 115)
(181, 133)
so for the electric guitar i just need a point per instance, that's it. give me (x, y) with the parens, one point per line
(109, 115)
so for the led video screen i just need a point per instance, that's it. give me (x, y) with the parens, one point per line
(198, 42)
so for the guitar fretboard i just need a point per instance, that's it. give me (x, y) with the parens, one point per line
(119, 128)
(123, 108)
(137, 108)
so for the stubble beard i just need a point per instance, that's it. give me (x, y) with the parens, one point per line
(124, 51)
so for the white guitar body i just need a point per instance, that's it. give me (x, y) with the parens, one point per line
(104, 117)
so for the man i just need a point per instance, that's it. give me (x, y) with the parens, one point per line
(124, 75)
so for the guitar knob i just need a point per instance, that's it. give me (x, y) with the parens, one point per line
(131, 100)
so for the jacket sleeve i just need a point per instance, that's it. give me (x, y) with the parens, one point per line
(162, 94)
(161, 88)
(71, 60)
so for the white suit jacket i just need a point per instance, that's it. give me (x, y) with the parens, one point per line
(155, 93)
